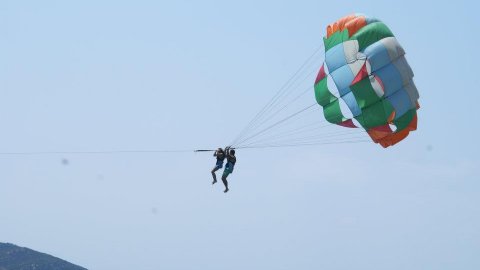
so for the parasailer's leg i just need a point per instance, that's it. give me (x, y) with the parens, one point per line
(224, 180)
(226, 172)
(217, 167)
(214, 175)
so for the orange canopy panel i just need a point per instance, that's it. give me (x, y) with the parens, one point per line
(352, 22)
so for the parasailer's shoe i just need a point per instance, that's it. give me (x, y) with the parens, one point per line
(226, 190)
(214, 181)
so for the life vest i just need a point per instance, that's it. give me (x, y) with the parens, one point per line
(231, 160)
(220, 157)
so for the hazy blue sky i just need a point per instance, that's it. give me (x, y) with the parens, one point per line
(106, 75)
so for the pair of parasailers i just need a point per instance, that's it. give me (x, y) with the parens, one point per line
(221, 155)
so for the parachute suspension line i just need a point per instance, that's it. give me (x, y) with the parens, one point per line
(285, 128)
(347, 140)
(304, 138)
(287, 84)
(277, 95)
(309, 132)
(275, 124)
(267, 113)
(292, 131)
(312, 133)
(303, 144)
(316, 139)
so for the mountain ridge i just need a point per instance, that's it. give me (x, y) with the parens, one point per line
(13, 257)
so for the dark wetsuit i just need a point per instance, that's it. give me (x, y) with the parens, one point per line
(220, 158)
(231, 160)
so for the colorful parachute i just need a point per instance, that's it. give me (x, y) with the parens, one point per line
(369, 83)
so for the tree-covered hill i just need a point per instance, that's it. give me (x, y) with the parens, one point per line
(13, 257)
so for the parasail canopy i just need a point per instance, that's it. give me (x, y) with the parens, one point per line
(365, 81)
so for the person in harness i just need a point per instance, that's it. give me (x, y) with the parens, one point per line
(220, 155)
(231, 160)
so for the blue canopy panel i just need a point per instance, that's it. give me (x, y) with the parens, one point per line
(395, 75)
(343, 65)
(382, 52)
(343, 77)
(352, 104)
(401, 102)
(341, 55)
(412, 92)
